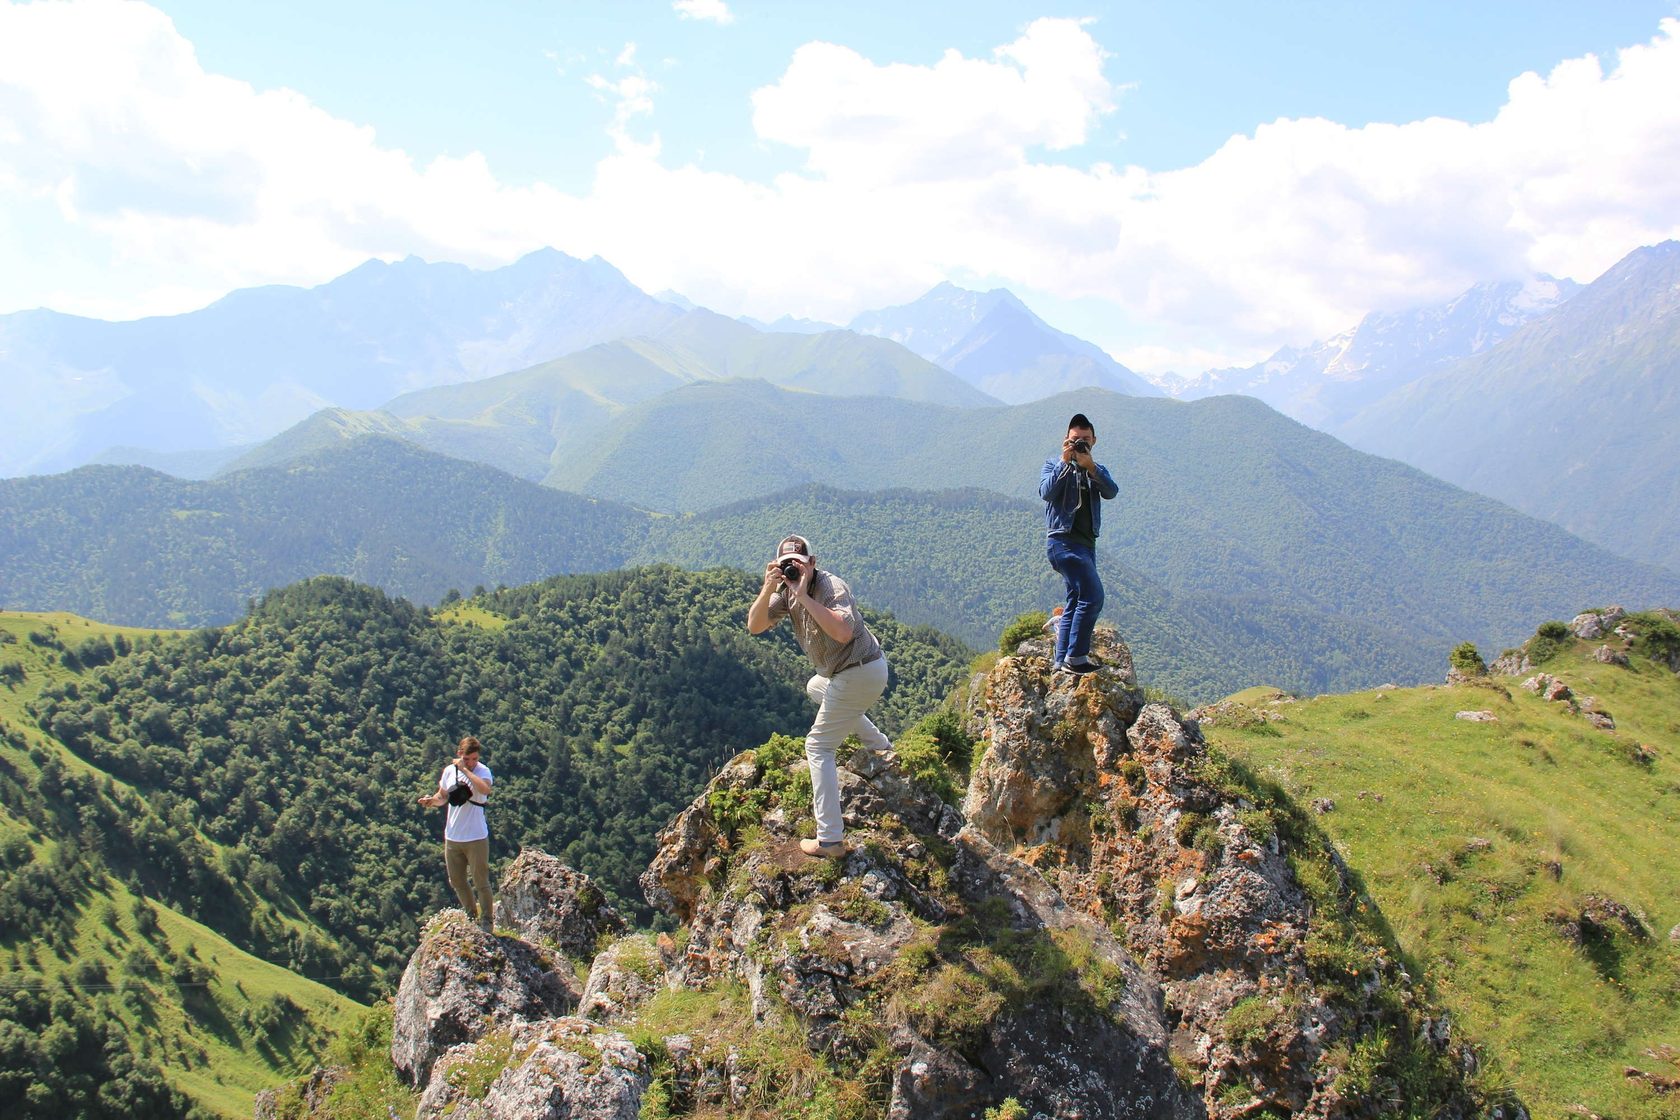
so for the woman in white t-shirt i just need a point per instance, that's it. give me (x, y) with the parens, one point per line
(464, 786)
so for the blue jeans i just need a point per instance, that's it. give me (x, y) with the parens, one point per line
(1077, 564)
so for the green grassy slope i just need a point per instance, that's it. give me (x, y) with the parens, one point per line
(1482, 842)
(171, 996)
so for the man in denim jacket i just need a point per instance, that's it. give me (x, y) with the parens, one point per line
(1073, 487)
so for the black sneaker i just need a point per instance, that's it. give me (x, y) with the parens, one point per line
(1085, 667)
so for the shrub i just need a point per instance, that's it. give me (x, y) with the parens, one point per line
(1467, 660)
(1659, 638)
(1025, 628)
(1555, 630)
(1541, 650)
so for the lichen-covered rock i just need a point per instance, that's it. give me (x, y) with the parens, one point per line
(462, 982)
(1040, 748)
(1478, 716)
(624, 976)
(560, 1069)
(1129, 817)
(550, 904)
(925, 949)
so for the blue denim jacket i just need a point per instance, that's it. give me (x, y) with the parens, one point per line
(1060, 491)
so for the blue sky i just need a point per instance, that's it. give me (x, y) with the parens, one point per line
(1188, 184)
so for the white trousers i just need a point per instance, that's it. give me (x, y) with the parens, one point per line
(841, 701)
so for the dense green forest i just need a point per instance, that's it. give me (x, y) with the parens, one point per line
(298, 737)
(133, 546)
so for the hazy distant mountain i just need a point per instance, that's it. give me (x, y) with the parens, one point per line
(261, 359)
(1326, 383)
(520, 421)
(1222, 496)
(993, 341)
(1574, 418)
(787, 324)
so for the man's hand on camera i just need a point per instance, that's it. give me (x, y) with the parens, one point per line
(1083, 458)
(1067, 451)
(803, 585)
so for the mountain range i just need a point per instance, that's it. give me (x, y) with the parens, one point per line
(190, 393)
(1574, 418)
(1326, 383)
(260, 359)
(1562, 400)
(1242, 542)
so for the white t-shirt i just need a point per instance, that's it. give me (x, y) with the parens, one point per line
(466, 822)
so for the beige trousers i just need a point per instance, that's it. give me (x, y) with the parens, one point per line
(462, 857)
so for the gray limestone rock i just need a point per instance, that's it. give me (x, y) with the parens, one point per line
(559, 1069)
(462, 982)
(550, 904)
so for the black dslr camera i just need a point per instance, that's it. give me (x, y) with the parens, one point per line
(790, 572)
(1083, 446)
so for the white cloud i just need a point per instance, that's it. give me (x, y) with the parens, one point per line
(166, 178)
(632, 97)
(714, 11)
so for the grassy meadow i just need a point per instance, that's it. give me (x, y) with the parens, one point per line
(1483, 843)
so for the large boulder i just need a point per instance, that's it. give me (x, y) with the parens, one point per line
(462, 982)
(550, 904)
(559, 1069)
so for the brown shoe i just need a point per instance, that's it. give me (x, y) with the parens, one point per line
(822, 851)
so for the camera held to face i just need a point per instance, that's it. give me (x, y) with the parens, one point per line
(1082, 445)
(790, 572)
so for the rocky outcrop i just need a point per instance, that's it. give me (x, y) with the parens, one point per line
(462, 983)
(1129, 818)
(550, 904)
(926, 951)
(559, 1069)
(1511, 663)
(1593, 625)
(1116, 923)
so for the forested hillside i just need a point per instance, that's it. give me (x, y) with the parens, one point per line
(127, 544)
(141, 965)
(298, 737)
(968, 561)
(1221, 496)
(1243, 547)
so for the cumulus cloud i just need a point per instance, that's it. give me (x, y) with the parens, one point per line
(908, 174)
(712, 11)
